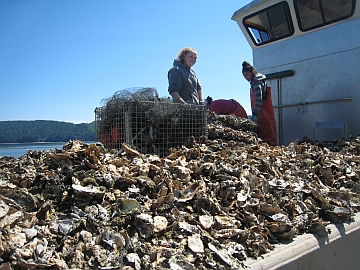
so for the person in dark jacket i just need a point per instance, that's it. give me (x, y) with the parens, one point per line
(261, 104)
(225, 107)
(184, 86)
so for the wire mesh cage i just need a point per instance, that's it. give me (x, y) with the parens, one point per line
(151, 124)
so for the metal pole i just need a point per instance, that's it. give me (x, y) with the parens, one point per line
(280, 126)
(313, 102)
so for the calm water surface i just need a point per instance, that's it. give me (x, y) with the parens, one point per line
(18, 149)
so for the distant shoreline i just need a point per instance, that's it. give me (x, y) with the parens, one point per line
(18, 149)
(42, 131)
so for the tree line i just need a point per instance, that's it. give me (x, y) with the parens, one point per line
(45, 131)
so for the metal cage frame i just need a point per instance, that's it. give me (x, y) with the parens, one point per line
(153, 127)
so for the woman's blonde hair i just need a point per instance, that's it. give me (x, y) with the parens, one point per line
(183, 52)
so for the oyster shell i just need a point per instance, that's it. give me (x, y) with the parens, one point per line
(210, 204)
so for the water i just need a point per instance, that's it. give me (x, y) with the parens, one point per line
(18, 149)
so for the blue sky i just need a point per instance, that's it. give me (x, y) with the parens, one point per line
(60, 58)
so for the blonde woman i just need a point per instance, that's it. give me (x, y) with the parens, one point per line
(184, 86)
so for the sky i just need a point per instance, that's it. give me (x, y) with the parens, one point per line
(60, 58)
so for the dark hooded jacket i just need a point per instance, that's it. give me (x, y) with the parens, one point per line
(184, 81)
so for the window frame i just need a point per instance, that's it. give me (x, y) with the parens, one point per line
(298, 19)
(288, 18)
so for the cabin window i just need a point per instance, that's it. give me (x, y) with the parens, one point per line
(312, 14)
(270, 24)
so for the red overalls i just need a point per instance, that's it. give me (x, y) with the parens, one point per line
(266, 118)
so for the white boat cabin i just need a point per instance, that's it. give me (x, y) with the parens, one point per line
(310, 52)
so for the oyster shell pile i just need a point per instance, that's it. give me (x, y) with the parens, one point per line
(211, 204)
